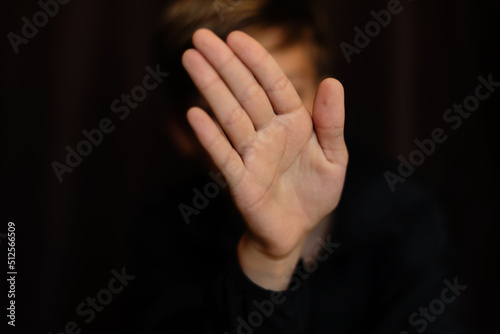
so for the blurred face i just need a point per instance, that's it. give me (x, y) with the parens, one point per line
(296, 61)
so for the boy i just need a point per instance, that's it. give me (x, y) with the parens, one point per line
(266, 245)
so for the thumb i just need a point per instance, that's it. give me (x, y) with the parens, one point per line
(328, 118)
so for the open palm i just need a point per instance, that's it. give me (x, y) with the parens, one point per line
(285, 167)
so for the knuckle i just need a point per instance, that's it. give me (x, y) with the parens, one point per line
(233, 116)
(250, 153)
(228, 59)
(246, 145)
(214, 142)
(209, 83)
(252, 92)
(261, 57)
(280, 84)
(336, 131)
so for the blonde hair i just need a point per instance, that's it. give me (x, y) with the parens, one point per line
(299, 20)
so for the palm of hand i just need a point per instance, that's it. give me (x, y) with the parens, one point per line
(285, 168)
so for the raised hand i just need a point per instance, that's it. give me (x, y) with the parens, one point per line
(285, 166)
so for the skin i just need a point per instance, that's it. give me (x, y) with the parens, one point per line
(283, 155)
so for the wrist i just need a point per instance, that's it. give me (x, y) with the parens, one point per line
(268, 271)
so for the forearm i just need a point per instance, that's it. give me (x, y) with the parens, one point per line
(268, 272)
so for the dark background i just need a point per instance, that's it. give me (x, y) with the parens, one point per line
(70, 235)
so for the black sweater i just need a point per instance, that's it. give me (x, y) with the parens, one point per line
(382, 269)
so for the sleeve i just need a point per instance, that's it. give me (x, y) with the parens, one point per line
(248, 308)
(184, 284)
